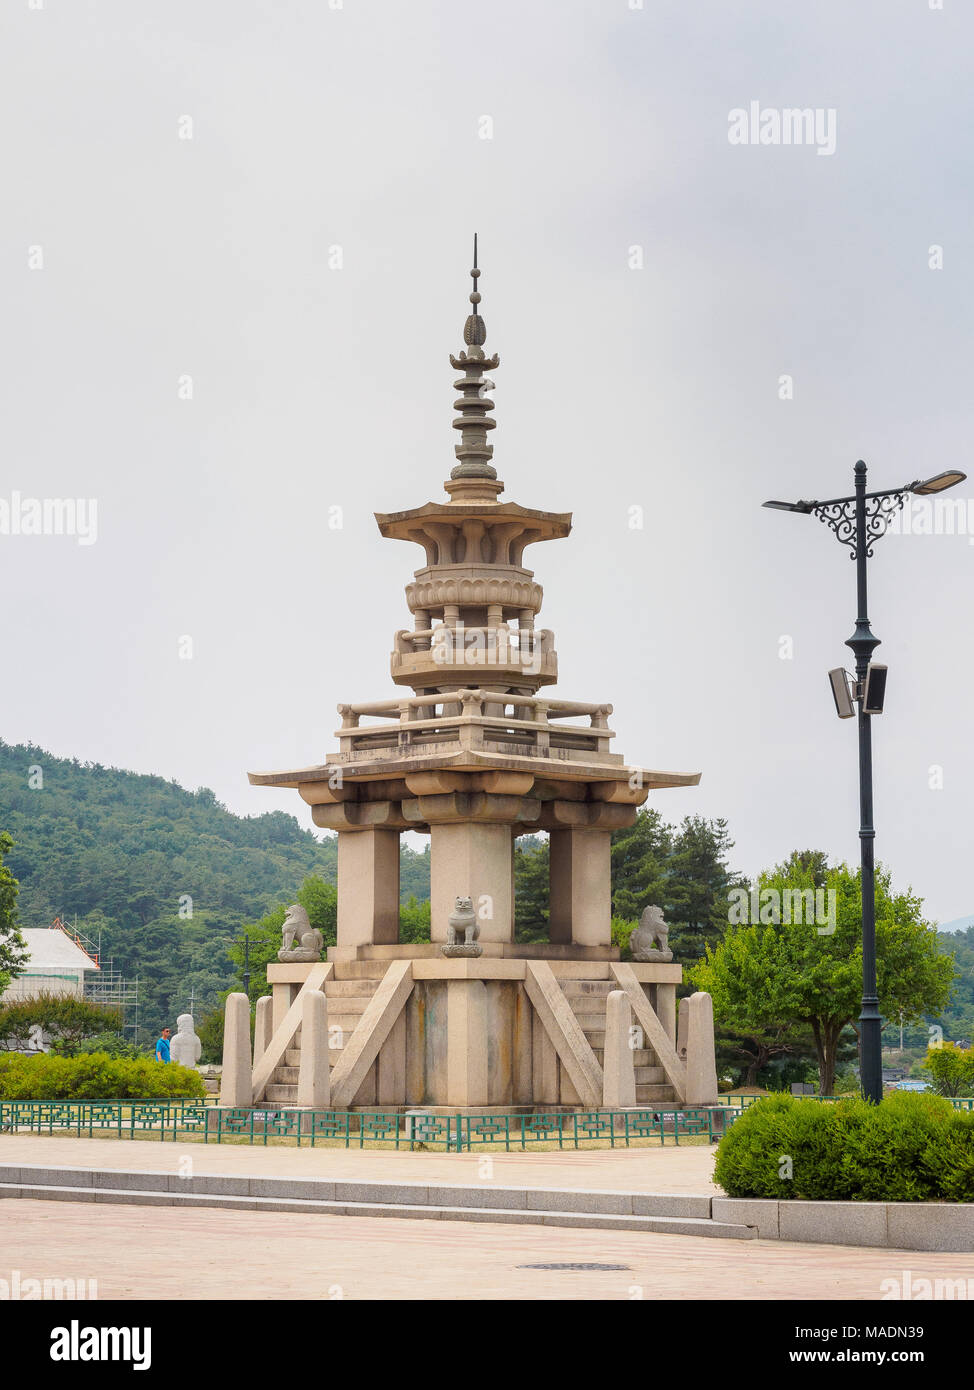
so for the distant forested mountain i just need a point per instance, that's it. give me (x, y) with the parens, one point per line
(164, 877)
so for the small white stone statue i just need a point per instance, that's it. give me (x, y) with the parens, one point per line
(185, 1046)
(652, 931)
(296, 924)
(462, 931)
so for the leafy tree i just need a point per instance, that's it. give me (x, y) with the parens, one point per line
(532, 872)
(210, 1033)
(66, 1018)
(414, 920)
(681, 870)
(320, 900)
(952, 1069)
(805, 974)
(13, 951)
(639, 853)
(697, 885)
(744, 977)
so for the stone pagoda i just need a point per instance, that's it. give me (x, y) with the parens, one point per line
(473, 751)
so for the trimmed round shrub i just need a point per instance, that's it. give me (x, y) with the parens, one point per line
(909, 1148)
(95, 1076)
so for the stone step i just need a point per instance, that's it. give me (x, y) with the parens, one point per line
(579, 989)
(358, 970)
(292, 1057)
(588, 1005)
(650, 1076)
(334, 988)
(650, 1212)
(346, 1022)
(345, 1005)
(641, 1057)
(647, 1094)
(285, 1076)
(281, 1093)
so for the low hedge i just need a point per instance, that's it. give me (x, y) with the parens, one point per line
(910, 1148)
(95, 1076)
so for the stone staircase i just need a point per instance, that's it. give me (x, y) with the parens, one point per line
(587, 1000)
(348, 991)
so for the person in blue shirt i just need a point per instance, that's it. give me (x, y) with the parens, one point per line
(162, 1046)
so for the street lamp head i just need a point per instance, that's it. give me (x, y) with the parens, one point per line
(938, 483)
(804, 507)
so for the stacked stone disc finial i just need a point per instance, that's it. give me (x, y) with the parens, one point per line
(473, 421)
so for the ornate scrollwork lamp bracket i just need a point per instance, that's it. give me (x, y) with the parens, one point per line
(840, 517)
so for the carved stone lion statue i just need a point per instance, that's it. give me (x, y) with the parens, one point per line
(309, 938)
(462, 930)
(462, 919)
(648, 941)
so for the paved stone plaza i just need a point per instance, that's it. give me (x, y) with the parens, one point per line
(137, 1252)
(684, 1169)
(141, 1252)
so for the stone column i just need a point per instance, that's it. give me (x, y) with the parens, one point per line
(466, 1023)
(368, 887)
(236, 1079)
(618, 1063)
(314, 1077)
(580, 906)
(666, 1009)
(472, 859)
(263, 1026)
(701, 1064)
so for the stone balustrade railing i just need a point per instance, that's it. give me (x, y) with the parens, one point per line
(510, 641)
(474, 718)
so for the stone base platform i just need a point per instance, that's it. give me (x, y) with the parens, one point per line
(499, 950)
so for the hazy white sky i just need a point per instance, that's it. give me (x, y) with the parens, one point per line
(362, 127)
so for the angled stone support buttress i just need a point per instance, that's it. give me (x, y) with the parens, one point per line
(655, 1033)
(564, 1031)
(273, 1054)
(371, 1031)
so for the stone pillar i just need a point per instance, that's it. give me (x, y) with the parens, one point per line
(263, 1026)
(666, 1009)
(236, 1080)
(466, 1045)
(368, 887)
(314, 1078)
(472, 859)
(580, 904)
(682, 1028)
(618, 1063)
(701, 1063)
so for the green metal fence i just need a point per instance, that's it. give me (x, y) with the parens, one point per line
(214, 1124)
(187, 1120)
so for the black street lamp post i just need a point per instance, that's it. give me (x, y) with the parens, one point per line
(858, 522)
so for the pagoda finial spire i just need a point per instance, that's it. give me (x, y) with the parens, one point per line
(473, 421)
